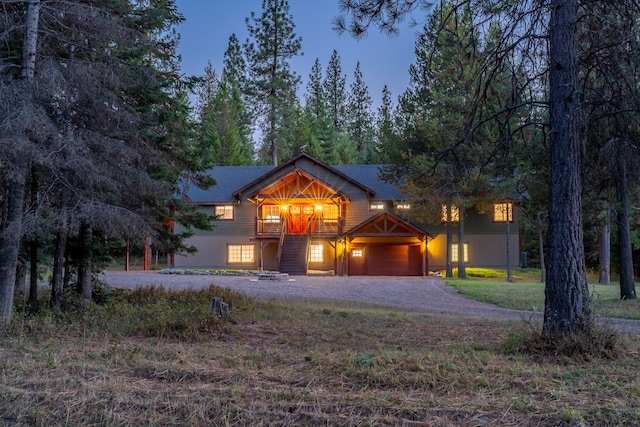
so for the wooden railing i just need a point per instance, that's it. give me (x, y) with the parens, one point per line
(316, 226)
(283, 232)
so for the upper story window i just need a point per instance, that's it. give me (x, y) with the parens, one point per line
(224, 211)
(403, 206)
(455, 213)
(503, 212)
(376, 206)
(330, 213)
(271, 213)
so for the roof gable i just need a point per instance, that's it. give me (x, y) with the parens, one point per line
(386, 223)
(282, 169)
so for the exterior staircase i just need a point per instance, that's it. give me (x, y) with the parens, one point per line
(293, 256)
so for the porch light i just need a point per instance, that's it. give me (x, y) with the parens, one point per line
(319, 208)
(284, 208)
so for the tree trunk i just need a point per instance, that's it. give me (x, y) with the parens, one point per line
(605, 254)
(30, 40)
(509, 277)
(449, 267)
(462, 272)
(627, 284)
(33, 273)
(543, 267)
(10, 235)
(84, 266)
(57, 279)
(33, 247)
(21, 275)
(567, 301)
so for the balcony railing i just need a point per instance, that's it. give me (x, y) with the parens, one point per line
(316, 227)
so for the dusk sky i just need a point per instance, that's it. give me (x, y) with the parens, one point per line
(383, 60)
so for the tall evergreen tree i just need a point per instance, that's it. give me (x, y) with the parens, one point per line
(567, 301)
(321, 124)
(336, 97)
(360, 118)
(108, 113)
(385, 133)
(272, 83)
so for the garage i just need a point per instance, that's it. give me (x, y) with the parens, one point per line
(385, 260)
(386, 245)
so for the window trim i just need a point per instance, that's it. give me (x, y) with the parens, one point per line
(272, 217)
(504, 216)
(316, 253)
(454, 252)
(242, 247)
(223, 216)
(455, 213)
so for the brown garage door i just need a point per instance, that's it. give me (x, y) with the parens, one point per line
(392, 260)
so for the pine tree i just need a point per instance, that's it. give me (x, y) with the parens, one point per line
(360, 118)
(335, 93)
(385, 133)
(323, 132)
(271, 83)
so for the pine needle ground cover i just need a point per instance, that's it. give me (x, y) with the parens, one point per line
(155, 357)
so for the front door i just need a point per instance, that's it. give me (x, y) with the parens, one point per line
(299, 217)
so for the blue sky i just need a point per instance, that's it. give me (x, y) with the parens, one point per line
(383, 60)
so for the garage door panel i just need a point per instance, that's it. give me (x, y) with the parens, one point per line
(393, 260)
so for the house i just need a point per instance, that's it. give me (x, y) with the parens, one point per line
(306, 216)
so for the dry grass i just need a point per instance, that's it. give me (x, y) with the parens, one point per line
(295, 363)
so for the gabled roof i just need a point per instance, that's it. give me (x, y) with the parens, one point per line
(233, 181)
(292, 162)
(290, 181)
(371, 175)
(228, 179)
(386, 222)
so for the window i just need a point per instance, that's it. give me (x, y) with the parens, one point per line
(271, 213)
(403, 206)
(455, 213)
(357, 253)
(224, 211)
(330, 213)
(376, 206)
(240, 254)
(503, 212)
(454, 252)
(316, 253)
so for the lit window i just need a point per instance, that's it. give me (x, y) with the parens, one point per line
(403, 206)
(376, 206)
(454, 252)
(358, 253)
(455, 213)
(224, 211)
(271, 213)
(330, 213)
(240, 254)
(316, 253)
(503, 212)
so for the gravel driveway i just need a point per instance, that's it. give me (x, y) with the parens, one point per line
(429, 294)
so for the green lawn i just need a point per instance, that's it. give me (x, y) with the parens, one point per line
(527, 293)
